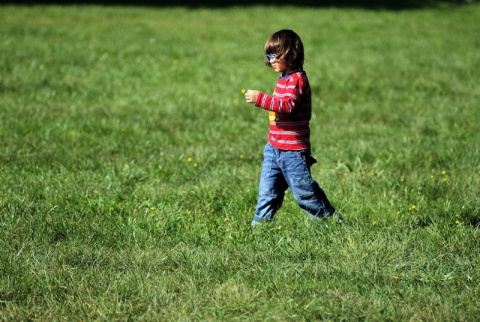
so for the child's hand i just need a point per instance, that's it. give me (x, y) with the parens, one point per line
(251, 96)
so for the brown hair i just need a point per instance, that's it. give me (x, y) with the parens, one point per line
(288, 46)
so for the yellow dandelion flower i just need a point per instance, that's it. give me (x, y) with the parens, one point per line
(413, 207)
(279, 227)
(244, 90)
(189, 160)
(432, 176)
(152, 208)
(399, 212)
(195, 165)
(402, 179)
(374, 223)
(241, 156)
(457, 221)
(444, 173)
(444, 179)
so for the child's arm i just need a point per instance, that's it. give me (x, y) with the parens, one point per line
(285, 104)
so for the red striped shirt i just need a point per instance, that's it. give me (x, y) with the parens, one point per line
(290, 109)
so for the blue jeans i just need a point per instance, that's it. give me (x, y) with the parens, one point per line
(289, 169)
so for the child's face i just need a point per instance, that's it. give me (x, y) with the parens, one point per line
(279, 66)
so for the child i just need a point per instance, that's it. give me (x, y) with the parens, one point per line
(287, 158)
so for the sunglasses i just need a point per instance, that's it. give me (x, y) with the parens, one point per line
(271, 57)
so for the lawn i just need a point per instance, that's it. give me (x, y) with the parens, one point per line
(129, 165)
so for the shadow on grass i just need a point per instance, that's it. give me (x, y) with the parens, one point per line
(366, 4)
(469, 218)
(472, 218)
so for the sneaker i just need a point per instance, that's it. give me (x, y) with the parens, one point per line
(255, 223)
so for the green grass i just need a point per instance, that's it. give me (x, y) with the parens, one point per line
(129, 165)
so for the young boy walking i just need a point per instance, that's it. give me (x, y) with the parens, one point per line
(287, 158)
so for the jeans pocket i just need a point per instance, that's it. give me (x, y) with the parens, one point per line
(298, 171)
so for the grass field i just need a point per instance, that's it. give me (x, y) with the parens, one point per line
(129, 165)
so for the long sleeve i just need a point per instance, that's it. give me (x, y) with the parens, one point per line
(290, 110)
(284, 100)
